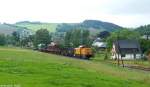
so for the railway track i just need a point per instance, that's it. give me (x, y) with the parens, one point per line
(133, 66)
(138, 67)
(70, 56)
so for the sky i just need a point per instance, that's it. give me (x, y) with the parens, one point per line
(126, 13)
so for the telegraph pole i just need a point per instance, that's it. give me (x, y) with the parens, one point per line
(81, 36)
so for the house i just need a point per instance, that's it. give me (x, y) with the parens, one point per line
(99, 43)
(126, 50)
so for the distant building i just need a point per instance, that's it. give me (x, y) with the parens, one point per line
(126, 49)
(99, 43)
(24, 33)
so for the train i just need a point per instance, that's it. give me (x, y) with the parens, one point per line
(81, 52)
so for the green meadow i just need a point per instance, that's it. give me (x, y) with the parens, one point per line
(51, 27)
(27, 68)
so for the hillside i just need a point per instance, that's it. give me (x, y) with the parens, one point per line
(92, 25)
(8, 29)
(89, 24)
(100, 25)
(34, 26)
(27, 68)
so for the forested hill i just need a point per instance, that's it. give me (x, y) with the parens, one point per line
(28, 22)
(89, 24)
(92, 25)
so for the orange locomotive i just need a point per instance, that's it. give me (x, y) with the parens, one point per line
(83, 52)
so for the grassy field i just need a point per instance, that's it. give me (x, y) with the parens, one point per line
(26, 68)
(49, 26)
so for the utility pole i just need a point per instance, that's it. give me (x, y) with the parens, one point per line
(118, 48)
(119, 51)
(81, 36)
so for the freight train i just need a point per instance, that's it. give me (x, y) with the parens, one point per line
(82, 52)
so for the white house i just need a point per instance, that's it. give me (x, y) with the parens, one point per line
(126, 50)
(99, 43)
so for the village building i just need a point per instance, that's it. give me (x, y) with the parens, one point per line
(24, 33)
(126, 50)
(100, 44)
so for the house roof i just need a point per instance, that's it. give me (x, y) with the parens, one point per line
(127, 46)
(100, 44)
(98, 40)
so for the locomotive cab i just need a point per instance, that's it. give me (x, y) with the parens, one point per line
(83, 52)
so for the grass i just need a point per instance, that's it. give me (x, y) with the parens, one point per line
(49, 26)
(35, 69)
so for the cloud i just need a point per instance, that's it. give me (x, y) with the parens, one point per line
(129, 7)
(128, 13)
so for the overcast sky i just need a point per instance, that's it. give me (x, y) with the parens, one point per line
(127, 13)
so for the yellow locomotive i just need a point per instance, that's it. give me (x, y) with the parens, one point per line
(83, 52)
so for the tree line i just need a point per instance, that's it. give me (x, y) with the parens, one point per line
(72, 38)
(41, 36)
(75, 38)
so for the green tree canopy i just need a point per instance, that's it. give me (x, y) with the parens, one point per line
(2, 39)
(16, 38)
(77, 37)
(42, 36)
(145, 45)
(144, 30)
(122, 34)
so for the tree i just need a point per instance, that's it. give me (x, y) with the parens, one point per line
(68, 38)
(2, 39)
(145, 45)
(144, 30)
(42, 36)
(77, 37)
(16, 38)
(122, 34)
(27, 41)
(9, 40)
(104, 34)
(85, 37)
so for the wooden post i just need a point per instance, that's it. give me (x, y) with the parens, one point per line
(122, 61)
(118, 60)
